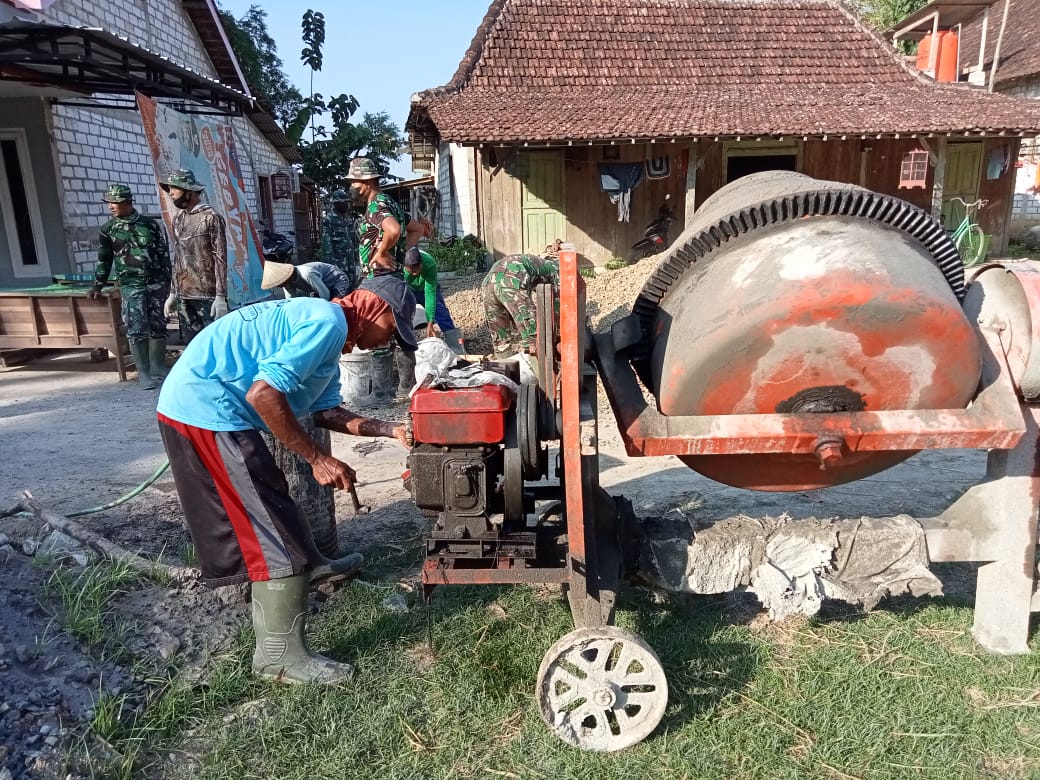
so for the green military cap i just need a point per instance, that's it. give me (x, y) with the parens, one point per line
(183, 179)
(117, 193)
(340, 196)
(362, 169)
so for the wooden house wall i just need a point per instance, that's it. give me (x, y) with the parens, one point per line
(499, 191)
(995, 218)
(592, 221)
(593, 225)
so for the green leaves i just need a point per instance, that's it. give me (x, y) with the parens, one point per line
(313, 29)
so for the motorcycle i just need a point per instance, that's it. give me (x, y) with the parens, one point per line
(277, 247)
(655, 237)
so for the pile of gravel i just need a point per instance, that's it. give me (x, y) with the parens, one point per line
(609, 297)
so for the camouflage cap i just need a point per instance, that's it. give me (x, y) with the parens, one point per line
(363, 169)
(183, 179)
(117, 193)
(340, 196)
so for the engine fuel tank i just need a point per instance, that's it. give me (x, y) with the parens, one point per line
(827, 312)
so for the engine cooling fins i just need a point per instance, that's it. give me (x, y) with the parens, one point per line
(845, 202)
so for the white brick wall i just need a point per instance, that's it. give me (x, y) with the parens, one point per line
(1025, 211)
(97, 146)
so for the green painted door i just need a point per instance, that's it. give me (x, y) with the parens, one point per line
(963, 166)
(542, 201)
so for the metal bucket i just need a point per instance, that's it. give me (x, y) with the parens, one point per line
(366, 378)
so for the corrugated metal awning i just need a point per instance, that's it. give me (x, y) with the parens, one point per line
(92, 61)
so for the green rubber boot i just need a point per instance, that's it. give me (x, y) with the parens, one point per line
(405, 361)
(279, 617)
(139, 351)
(157, 358)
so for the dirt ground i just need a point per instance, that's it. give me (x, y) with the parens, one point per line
(76, 437)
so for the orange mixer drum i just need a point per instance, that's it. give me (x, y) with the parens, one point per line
(815, 313)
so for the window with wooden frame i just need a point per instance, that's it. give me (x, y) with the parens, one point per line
(266, 204)
(913, 172)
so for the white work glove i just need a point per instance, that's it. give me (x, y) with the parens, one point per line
(220, 308)
(170, 307)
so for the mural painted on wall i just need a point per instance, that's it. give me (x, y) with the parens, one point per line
(207, 147)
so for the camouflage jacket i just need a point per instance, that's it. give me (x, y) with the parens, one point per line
(199, 253)
(137, 246)
(339, 241)
(370, 233)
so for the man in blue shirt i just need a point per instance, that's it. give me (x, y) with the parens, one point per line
(260, 368)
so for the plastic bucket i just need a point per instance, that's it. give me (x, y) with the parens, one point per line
(366, 378)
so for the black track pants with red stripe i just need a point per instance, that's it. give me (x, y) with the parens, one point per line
(236, 501)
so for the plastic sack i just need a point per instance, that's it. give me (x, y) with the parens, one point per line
(433, 368)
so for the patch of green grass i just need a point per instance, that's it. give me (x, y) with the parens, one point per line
(885, 696)
(587, 273)
(86, 599)
(1019, 251)
(615, 263)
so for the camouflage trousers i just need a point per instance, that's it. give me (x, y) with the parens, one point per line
(142, 310)
(510, 311)
(194, 315)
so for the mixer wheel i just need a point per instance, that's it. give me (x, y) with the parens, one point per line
(602, 689)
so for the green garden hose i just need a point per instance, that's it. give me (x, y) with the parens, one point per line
(123, 499)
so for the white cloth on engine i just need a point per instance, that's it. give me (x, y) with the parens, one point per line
(434, 367)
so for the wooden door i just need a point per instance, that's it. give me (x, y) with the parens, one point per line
(541, 201)
(963, 166)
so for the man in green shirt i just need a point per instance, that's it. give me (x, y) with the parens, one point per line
(420, 271)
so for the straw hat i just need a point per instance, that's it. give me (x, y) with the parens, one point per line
(276, 274)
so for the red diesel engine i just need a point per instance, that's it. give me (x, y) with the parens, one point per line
(459, 473)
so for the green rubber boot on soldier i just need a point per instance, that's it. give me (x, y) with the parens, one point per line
(279, 618)
(157, 358)
(139, 351)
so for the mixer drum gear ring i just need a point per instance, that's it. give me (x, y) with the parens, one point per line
(775, 198)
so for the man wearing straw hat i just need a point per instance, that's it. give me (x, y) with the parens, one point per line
(259, 368)
(307, 280)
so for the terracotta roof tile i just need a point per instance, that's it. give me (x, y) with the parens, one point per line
(558, 70)
(1020, 49)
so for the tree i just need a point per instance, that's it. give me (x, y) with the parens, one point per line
(327, 155)
(257, 54)
(328, 151)
(884, 14)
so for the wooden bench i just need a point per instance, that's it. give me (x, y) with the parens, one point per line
(63, 317)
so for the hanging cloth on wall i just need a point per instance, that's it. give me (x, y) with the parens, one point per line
(658, 167)
(618, 180)
(999, 158)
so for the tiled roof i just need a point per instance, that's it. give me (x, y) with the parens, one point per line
(1020, 49)
(581, 70)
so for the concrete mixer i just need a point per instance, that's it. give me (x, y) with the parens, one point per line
(799, 334)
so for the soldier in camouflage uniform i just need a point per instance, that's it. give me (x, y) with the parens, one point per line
(384, 230)
(385, 233)
(200, 256)
(509, 303)
(339, 239)
(136, 245)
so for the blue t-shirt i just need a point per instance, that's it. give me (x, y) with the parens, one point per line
(293, 344)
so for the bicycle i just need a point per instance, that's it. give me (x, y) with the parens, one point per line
(968, 237)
